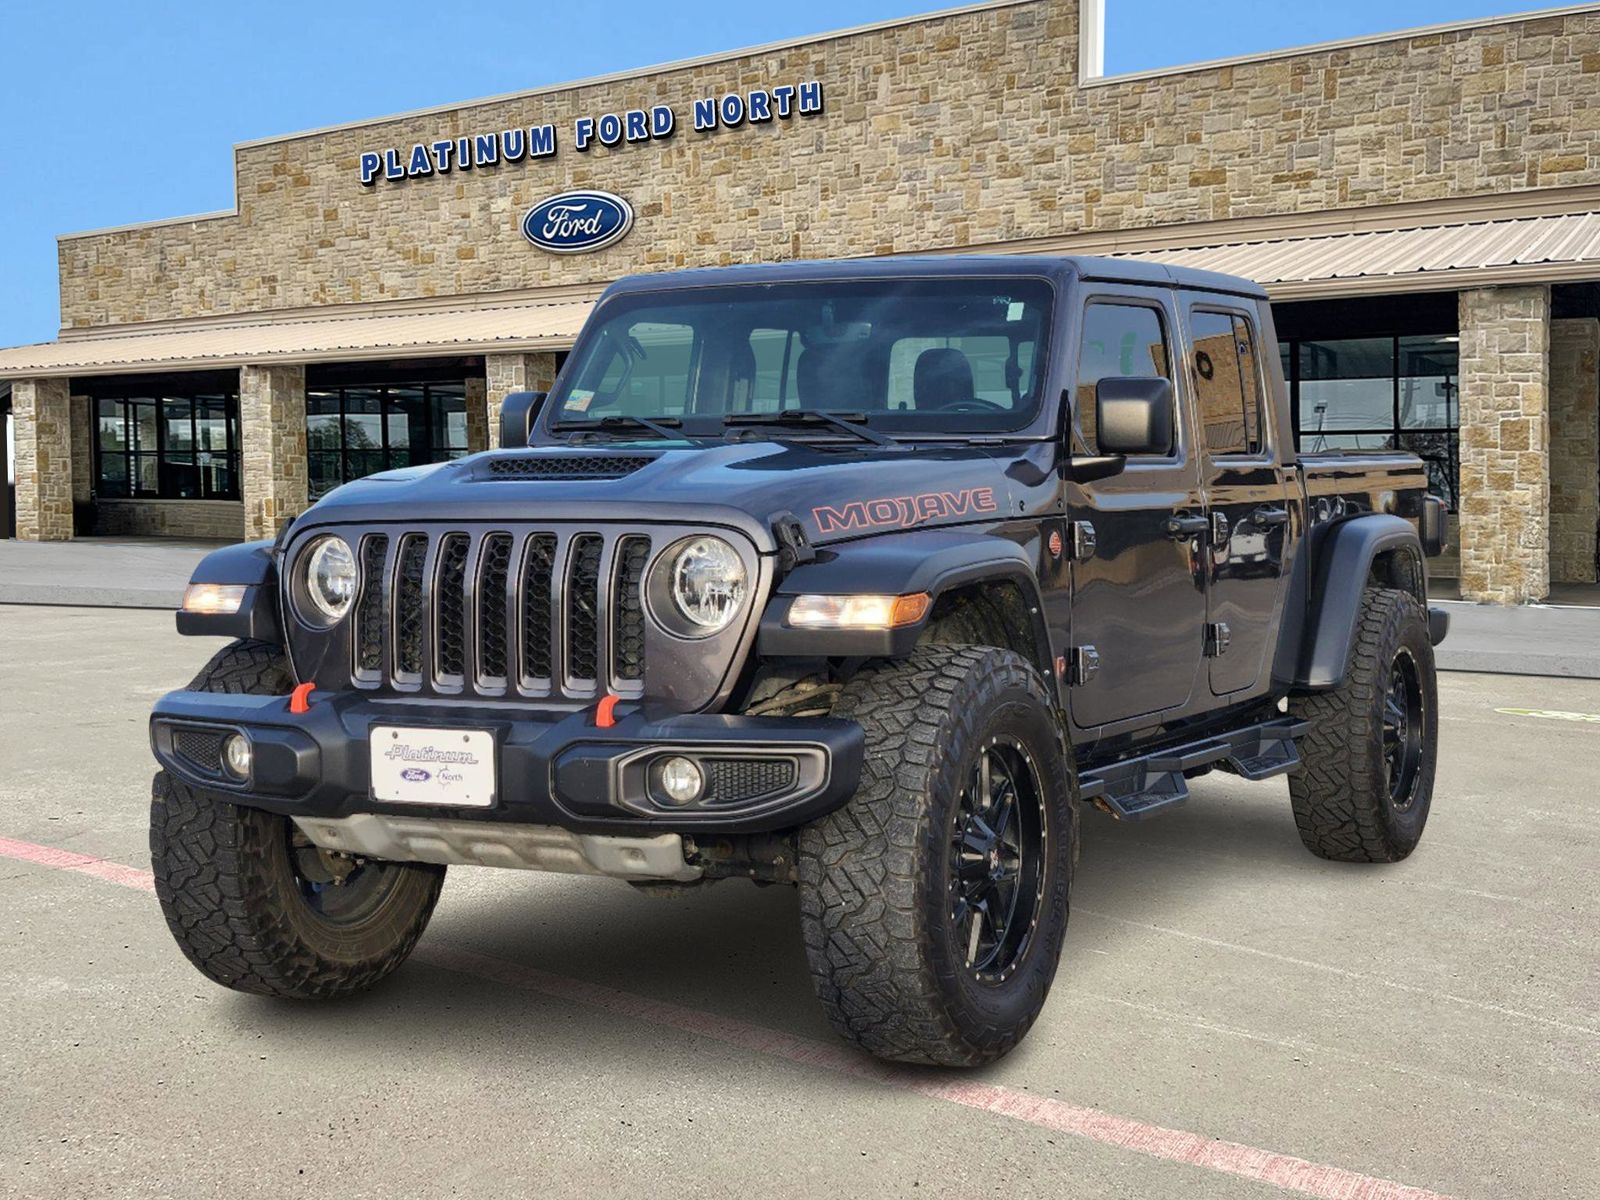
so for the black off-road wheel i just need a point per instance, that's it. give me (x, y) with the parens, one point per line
(934, 903)
(1365, 780)
(252, 903)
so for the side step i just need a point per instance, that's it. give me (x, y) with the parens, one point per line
(1134, 788)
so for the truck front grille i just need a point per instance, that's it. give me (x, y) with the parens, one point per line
(502, 612)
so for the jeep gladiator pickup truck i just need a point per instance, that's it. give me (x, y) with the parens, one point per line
(860, 577)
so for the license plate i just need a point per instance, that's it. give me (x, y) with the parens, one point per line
(447, 767)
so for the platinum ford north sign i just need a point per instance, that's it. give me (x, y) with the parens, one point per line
(491, 148)
(577, 222)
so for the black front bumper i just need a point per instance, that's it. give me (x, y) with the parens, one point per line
(553, 768)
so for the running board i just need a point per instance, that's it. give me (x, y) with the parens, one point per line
(1136, 787)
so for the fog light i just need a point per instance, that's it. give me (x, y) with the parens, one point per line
(681, 780)
(236, 755)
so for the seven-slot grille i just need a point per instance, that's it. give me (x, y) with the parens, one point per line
(496, 612)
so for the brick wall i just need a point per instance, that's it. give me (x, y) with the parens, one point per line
(962, 129)
(1574, 449)
(1505, 444)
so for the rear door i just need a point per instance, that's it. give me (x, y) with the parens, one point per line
(1245, 485)
(1138, 601)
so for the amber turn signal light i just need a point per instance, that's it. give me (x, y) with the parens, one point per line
(858, 612)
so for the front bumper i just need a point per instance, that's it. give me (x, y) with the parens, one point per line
(553, 767)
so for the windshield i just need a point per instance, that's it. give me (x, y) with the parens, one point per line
(954, 355)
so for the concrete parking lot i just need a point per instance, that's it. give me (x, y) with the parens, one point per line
(1233, 1018)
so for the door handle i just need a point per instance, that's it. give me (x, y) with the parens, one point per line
(1265, 517)
(1182, 528)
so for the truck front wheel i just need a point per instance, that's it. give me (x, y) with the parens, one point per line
(252, 903)
(934, 903)
(1365, 780)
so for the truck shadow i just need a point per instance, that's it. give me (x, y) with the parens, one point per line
(735, 950)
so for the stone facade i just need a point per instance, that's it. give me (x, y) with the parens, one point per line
(477, 414)
(82, 449)
(1505, 444)
(958, 130)
(1574, 449)
(506, 373)
(41, 414)
(170, 518)
(272, 429)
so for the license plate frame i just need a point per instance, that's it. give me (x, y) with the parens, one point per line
(433, 766)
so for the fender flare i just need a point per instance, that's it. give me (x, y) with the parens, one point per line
(1319, 640)
(933, 561)
(252, 566)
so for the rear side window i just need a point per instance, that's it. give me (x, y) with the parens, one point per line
(1119, 340)
(1227, 381)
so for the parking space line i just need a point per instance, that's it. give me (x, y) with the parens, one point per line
(1343, 972)
(1320, 1180)
(84, 864)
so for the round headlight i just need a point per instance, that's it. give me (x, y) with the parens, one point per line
(707, 583)
(330, 578)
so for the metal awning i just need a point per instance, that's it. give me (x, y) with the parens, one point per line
(477, 330)
(1435, 257)
(1542, 249)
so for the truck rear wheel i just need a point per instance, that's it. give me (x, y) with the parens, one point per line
(1365, 780)
(252, 903)
(934, 903)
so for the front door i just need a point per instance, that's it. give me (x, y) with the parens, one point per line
(1138, 608)
(1245, 488)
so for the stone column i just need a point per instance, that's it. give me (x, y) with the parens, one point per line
(1574, 449)
(42, 426)
(505, 373)
(83, 416)
(1505, 444)
(272, 433)
(477, 414)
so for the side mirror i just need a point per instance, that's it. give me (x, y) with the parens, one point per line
(1133, 415)
(518, 411)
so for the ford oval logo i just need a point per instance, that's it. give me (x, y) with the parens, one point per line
(578, 222)
(415, 775)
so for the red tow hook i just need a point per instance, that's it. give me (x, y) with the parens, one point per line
(300, 699)
(605, 713)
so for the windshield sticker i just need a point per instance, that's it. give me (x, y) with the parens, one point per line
(578, 401)
(904, 511)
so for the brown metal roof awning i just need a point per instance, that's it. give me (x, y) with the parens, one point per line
(1544, 249)
(481, 330)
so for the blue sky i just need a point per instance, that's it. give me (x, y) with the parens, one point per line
(115, 112)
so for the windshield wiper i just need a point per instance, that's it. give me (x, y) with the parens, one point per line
(854, 423)
(617, 422)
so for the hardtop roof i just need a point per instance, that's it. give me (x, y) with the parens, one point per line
(1062, 268)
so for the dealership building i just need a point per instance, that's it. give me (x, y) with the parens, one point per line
(1423, 207)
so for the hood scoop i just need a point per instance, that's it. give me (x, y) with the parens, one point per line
(568, 466)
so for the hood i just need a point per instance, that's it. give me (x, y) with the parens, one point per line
(836, 492)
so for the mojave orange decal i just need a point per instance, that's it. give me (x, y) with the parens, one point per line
(902, 512)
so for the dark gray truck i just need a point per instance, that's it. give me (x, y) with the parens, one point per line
(859, 577)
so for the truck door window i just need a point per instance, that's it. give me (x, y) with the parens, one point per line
(1119, 340)
(1227, 382)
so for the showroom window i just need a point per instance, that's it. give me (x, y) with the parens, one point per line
(1380, 393)
(353, 431)
(161, 444)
